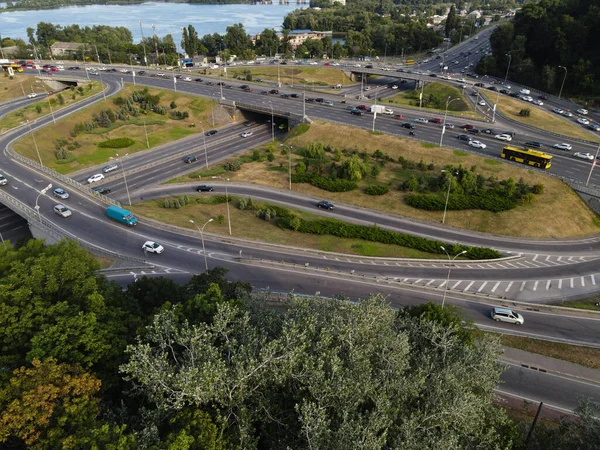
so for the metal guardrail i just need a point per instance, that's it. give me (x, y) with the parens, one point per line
(35, 219)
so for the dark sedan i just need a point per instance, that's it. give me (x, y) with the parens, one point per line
(205, 188)
(211, 132)
(325, 205)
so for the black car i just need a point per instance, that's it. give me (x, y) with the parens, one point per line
(274, 91)
(264, 92)
(325, 205)
(284, 95)
(190, 159)
(369, 66)
(142, 72)
(356, 112)
(211, 132)
(112, 70)
(489, 131)
(504, 91)
(473, 131)
(463, 137)
(514, 94)
(198, 80)
(295, 95)
(309, 100)
(433, 75)
(533, 144)
(209, 83)
(101, 190)
(179, 77)
(73, 68)
(319, 100)
(408, 125)
(205, 188)
(244, 86)
(479, 85)
(493, 88)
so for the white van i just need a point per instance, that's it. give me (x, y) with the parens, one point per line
(507, 315)
(525, 91)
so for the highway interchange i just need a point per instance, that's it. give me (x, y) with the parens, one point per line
(546, 269)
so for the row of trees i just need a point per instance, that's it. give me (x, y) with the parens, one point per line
(546, 38)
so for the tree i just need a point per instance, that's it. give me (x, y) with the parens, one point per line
(237, 40)
(324, 374)
(548, 77)
(450, 21)
(353, 168)
(48, 405)
(268, 44)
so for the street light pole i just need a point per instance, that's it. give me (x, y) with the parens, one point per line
(498, 94)
(447, 195)
(272, 123)
(42, 192)
(563, 81)
(3, 243)
(593, 165)
(289, 147)
(448, 101)
(449, 268)
(124, 177)
(205, 151)
(201, 230)
(227, 201)
(35, 144)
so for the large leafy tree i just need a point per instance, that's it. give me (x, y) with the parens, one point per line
(237, 40)
(324, 374)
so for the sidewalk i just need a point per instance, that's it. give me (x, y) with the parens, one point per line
(551, 365)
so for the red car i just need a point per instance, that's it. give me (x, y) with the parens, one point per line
(399, 116)
(467, 127)
(436, 120)
(363, 107)
(327, 63)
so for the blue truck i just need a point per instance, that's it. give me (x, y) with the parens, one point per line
(121, 215)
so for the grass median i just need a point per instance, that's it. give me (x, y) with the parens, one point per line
(538, 117)
(19, 86)
(81, 143)
(557, 212)
(293, 74)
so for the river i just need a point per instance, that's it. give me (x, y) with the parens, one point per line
(166, 17)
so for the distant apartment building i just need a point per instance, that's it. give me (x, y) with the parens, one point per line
(66, 48)
(297, 37)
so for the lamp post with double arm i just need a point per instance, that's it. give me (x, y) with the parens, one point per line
(451, 260)
(201, 230)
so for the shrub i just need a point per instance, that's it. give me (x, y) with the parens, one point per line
(377, 190)
(538, 189)
(173, 105)
(487, 200)
(61, 99)
(38, 109)
(270, 157)
(327, 184)
(233, 166)
(116, 143)
(525, 112)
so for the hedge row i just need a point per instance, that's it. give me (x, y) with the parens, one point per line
(487, 201)
(375, 234)
(377, 190)
(116, 143)
(182, 200)
(327, 184)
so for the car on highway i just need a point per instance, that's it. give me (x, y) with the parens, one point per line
(538, 102)
(187, 79)
(110, 168)
(160, 74)
(101, 190)
(567, 114)
(60, 193)
(473, 131)
(362, 107)
(32, 95)
(198, 80)
(488, 131)
(95, 178)
(190, 159)
(142, 72)
(450, 126)
(62, 210)
(506, 315)
(264, 92)
(328, 103)
(558, 110)
(295, 95)
(466, 127)
(356, 112)
(582, 111)
(463, 137)
(246, 134)
(503, 137)
(152, 247)
(408, 125)
(586, 155)
(421, 120)
(436, 120)
(211, 132)
(593, 126)
(274, 91)
(3, 180)
(533, 144)
(399, 117)
(205, 188)
(477, 144)
(395, 86)
(583, 121)
(325, 205)
(481, 103)
(563, 146)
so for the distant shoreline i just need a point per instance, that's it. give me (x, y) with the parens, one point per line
(33, 5)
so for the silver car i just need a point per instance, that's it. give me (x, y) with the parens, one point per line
(62, 210)
(506, 315)
(110, 168)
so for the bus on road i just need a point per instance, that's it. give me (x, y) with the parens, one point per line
(530, 157)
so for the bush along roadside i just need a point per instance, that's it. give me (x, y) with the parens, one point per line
(287, 219)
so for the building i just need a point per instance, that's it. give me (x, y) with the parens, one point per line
(341, 2)
(297, 37)
(67, 48)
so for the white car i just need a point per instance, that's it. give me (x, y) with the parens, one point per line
(395, 86)
(538, 102)
(587, 156)
(32, 95)
(335, 64)
(60, 193)
(314, 63)
(152, 247)
(3, 181)
(477, 144)
(563, 146)
(95, 178)
(558, 111)
(246, 134)
(62, 210)
(421, 120)
(503, 137)
(568, 114)
(187, 79)
(583, 121)
(388, 111)
(582, 111)
(481, 103)
(110, 168)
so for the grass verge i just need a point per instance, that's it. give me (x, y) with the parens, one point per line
(161, 129)
(20, 86)
(244, 224)
(434, 100)
(557, 212)
(292, 74)
(42, 107)
(538, 118)
(586, 303)
(584, 356)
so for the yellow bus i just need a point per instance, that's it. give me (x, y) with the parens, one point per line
(410, 62)
(530, 157)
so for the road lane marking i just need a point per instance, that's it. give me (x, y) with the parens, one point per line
(443, 283)
(469, 285)
(496, 286)
(560, 283)
(509, 286)
(535, 257)
(456, 284)
(571, 283)
(535, 285)
(548, 284)
(522, 286)
(430, 281)
(582, 282)
(418, 281)
(482, 286)
(593, 280)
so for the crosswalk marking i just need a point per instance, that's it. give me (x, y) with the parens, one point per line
(509, 286)
(511, 265)
(469, 285)
(482, 286)
(496, 286)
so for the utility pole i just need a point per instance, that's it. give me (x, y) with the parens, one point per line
(143, 44)
(155, 42)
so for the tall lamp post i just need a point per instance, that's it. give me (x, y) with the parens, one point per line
(227, 201)
(498, 94)
(289, 147)
(201, 230)
(448, 193)
(593, 165)
(124, 177)
(3, 243)
(37, 207)
(205, 151)
(272, 123)
(448, 101)
(563, 81)
(35, 144)
(449, 268)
